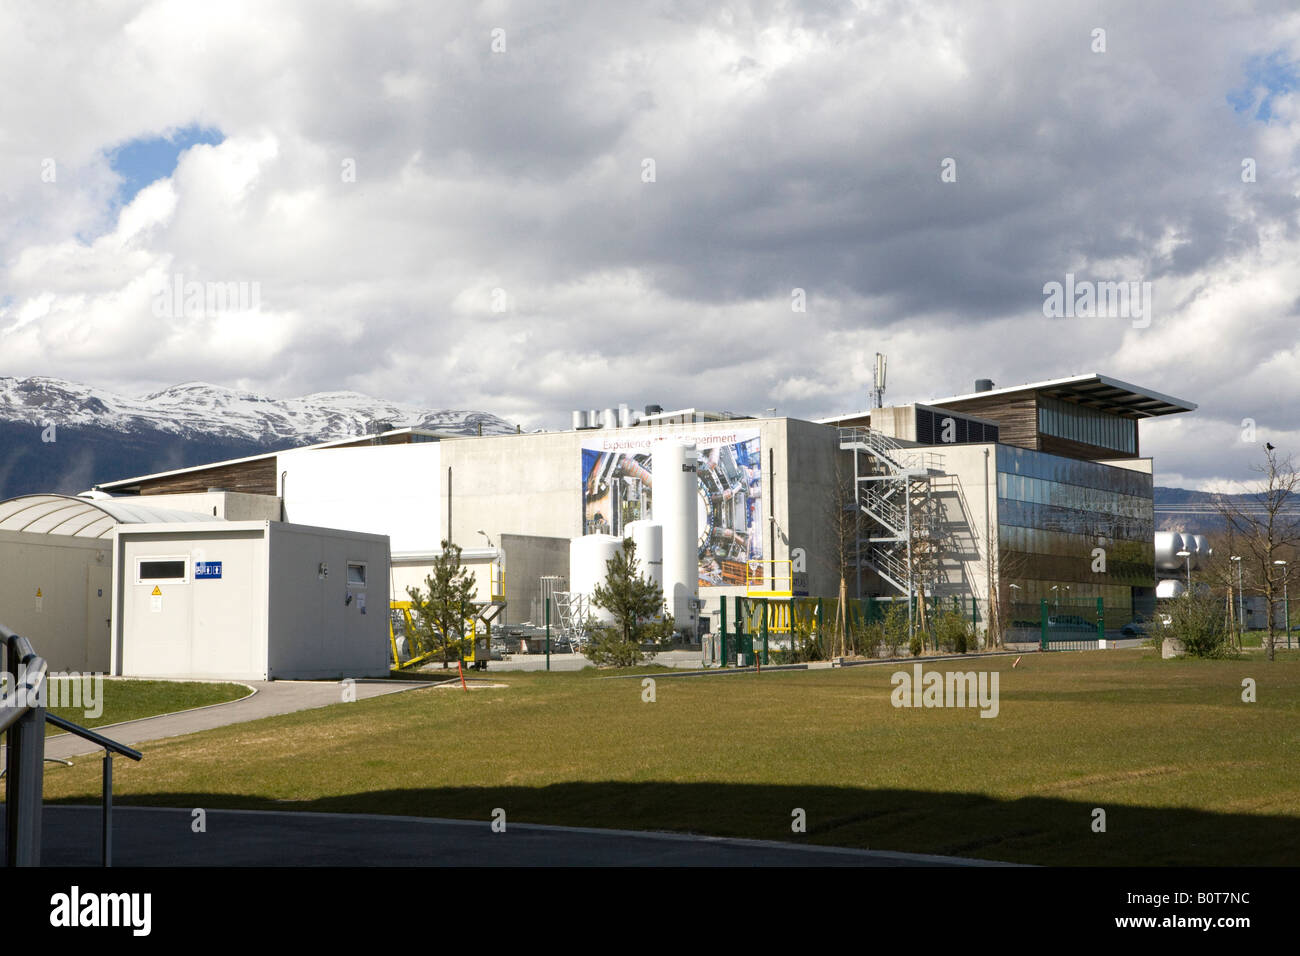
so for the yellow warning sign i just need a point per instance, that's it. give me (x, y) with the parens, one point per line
(156, 592)
(38, 592)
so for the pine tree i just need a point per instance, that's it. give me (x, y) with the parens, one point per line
(440, 611)
(632, 598)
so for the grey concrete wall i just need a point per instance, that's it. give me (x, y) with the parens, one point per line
(807, 476)
(967, 496)
(230, 505)
(67, 625)
(517, 484)
(528, 558)
(896, 421)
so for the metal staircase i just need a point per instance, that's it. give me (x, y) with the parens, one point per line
(892, 487)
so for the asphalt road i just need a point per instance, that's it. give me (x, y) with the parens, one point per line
(165, 837)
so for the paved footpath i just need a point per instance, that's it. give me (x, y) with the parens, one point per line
(158, 836)
(270, 698)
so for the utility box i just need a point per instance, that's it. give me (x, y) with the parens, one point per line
(250, 600)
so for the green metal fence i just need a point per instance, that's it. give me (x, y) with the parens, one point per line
(761, 630)
(1055, 626)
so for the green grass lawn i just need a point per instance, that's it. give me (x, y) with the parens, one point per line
(1186, 772)
(132, 699)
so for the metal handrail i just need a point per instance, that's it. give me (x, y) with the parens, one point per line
(97, 739)
(24, 751)
(23, 722)
(30, 690)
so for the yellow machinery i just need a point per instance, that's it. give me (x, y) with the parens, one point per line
(476, 631)
(477, 638)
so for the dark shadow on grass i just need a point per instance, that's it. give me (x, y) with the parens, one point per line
(1041, 830)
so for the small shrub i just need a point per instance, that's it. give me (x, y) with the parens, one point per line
(869, 638)
(1199, 623)
(954, 633)
(917, 644)
(607, 648)
(894, 628)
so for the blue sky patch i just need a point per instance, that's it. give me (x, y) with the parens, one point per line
(143, 161)
(1275, 73)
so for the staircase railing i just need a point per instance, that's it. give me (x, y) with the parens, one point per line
(23, 718)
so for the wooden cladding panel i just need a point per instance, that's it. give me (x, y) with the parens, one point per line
(1017, 418)
(251, 477)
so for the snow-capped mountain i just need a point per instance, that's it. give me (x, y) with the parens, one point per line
(197, 408)
(100, 436)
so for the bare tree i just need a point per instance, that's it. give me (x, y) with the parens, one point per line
(1008, 567)
(1265, 528)
(847, 525)
(1218, 574)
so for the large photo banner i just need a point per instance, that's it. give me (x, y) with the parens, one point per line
(618, 487)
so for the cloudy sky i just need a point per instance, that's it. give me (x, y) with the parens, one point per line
(527, 207)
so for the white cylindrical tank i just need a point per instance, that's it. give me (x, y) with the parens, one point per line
(1202, 552)
(648, 536)
(610, 419)
(587, 568)
(1168, 544)
(675, 506)
(579, 420)
(1170, 588)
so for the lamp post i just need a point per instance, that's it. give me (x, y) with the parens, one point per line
(1241, 610)
(1188, 556)
(1286, 604)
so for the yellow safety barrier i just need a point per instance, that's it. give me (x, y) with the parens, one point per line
(772, 577)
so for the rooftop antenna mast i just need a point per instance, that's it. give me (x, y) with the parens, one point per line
(878, 382)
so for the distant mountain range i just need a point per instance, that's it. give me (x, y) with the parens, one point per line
(1178, 509)
(99, 435)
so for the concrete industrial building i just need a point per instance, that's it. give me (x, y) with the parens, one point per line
(996, 496)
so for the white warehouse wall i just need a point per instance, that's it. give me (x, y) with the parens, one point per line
(315, 631)
(391, 490)
(68, 624)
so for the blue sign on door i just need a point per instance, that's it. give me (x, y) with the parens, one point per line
(207, 569)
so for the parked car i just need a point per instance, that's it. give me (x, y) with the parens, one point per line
(1071, 622)
(1138, 627)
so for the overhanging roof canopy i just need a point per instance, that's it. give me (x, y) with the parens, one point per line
(83, 517)
(1092, 391)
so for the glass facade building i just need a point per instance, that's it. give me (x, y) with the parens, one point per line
(1054, 512)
